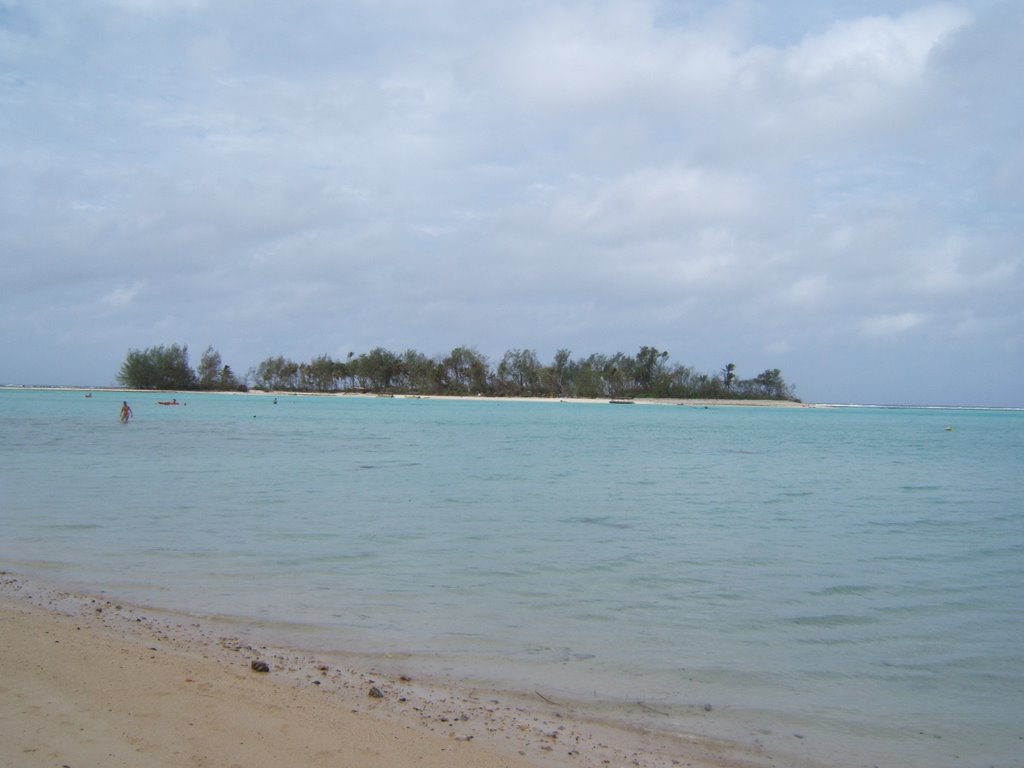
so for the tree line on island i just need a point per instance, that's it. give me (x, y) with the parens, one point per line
(464, 371)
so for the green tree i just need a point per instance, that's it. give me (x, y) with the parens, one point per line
(464, 370)
(229, 382)
(275, 373)
(157, 368)
(519, 372)
(681, 381)
(137, 371)
(588, 376)
(381, 368)
(344, 371)
(213, 374)
(558, 377)
(729, 375)
(319, 375)
(210, 366)
(618, 375)
(650, 365)
(771, 384)
(420, 372)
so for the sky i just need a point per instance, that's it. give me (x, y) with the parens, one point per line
(834, 189)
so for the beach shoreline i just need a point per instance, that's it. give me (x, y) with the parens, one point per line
(664, 401)
(88, 680)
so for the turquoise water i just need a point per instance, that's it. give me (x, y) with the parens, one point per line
(854, 574)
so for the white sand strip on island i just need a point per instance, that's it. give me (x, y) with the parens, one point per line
(693, 402)
(89, 682)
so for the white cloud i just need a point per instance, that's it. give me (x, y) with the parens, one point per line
(499, 174)
(892, 325)
(854, 79)
(155, 6)
(959, 266)
(655, 201)
(809, 291)
(580, 58)
(615, 59)
(122, 297)
(887, 51)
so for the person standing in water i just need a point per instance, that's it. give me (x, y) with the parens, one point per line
(126, 412)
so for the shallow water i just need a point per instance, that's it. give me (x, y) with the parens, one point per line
(853, 575)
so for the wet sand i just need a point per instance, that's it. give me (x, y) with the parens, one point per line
(87, 681)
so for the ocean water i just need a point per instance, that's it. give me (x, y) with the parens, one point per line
(846, 583)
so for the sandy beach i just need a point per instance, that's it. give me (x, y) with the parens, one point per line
(86, 681)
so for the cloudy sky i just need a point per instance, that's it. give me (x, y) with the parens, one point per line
(830, 188)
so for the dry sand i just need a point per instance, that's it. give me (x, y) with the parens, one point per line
(86, 682)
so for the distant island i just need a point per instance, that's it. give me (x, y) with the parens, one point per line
(464, 371)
